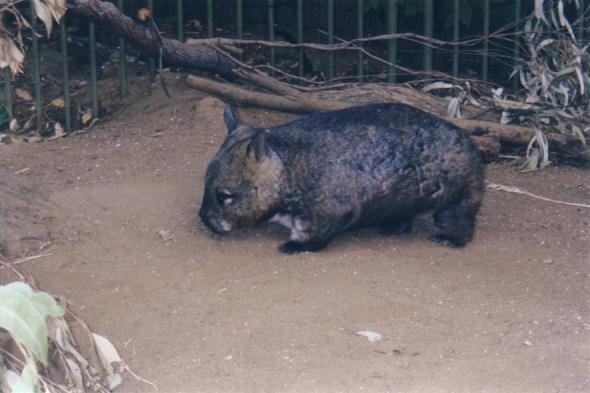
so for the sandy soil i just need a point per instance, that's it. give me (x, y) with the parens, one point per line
(194, 313)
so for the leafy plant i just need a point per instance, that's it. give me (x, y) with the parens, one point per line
(11, 44)
(36, 324)
(23, 314)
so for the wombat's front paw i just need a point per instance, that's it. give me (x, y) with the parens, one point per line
(292, 247)
(446, 241)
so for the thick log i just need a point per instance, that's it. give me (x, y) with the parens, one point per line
(295, 104)
(488, 135)
(199, 57)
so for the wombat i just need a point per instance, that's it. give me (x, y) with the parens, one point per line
(374, 165)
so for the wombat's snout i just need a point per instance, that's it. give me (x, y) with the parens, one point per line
(214, 221)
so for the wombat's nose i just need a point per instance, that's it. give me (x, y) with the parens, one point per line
(215, 223)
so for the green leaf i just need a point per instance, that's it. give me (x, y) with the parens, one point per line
(22, 313)
(27, 382)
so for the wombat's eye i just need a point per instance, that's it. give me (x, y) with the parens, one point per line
(224, 197)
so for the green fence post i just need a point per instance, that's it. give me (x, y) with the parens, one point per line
(331, 38)
(300, 35)
(36, 68)
(122, 60)
(360, 19)
(180, 19)
(8, 91)
(66, 78)
(93, 74)
(271, 32)
(151, 61)
(456, 21)
(516, 50)
(239, 18)
(486, 42)
(581, 12)
(392, 48)
(428, 32)
(7, 87)
(210, 18)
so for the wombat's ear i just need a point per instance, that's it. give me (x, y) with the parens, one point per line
(258, 146)
(230, 119)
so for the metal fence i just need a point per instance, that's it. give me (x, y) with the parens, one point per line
(237, 13)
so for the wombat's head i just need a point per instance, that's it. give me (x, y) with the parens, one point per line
(243, 182)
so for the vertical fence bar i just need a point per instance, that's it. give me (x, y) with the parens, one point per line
(581, 28)
(210, 18)
(7, 87)
(8, 91)
(66, 78)
(331, 38)
(456, 21)
(516, 50)
(428, 32)
(122, 60)
(300, 35)
(360, 19)
(392, 48)
(486, 42)
(180, 19)
(271, 31)
(151, 61)
(36, 68)
(93, 75)
(239, 18)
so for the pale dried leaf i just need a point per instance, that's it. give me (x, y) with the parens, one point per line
(106, 352)
(14, 126)
(454, 108)
(44, 13)
(76, 373)
(578, 132)
(537, 153)
(113, 381)
(86, 117)
(23, 94)
(544, 43)
(439, 86)
(580, 79)
(10, 55)
(49, 10)
(540, 12)
(563, 20)
(58, 103)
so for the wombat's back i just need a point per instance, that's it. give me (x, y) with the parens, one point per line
(386, 158)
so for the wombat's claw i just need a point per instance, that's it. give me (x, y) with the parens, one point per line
(446, 241)
(291, 247)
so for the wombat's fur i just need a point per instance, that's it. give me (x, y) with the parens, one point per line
(378, 164)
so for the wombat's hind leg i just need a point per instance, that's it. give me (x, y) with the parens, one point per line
(456, 222)
(396, 227)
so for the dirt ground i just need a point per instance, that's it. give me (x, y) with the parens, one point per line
(194, 313)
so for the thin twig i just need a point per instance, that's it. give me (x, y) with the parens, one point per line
(32, 257)
(516, 190)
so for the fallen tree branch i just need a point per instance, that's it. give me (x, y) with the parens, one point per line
(200, 57)
(236, 94)
(488, 135)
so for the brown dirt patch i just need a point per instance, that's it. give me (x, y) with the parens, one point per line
(509, 313)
